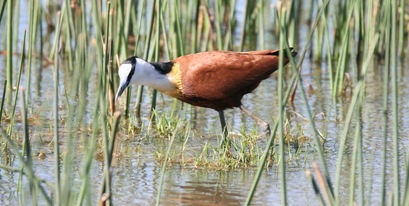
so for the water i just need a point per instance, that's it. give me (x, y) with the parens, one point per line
(136, 174)
(136, 169)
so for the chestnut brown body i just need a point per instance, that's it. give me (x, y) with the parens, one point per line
(220, 79)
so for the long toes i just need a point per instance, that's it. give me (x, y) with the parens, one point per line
(266, 129)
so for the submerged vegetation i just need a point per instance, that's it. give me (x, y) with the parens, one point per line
(76, 46)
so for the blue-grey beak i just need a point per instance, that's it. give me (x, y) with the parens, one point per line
(121, 89)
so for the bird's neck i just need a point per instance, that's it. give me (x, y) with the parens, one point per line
(154, 75)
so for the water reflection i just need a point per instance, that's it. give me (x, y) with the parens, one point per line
(189, 186)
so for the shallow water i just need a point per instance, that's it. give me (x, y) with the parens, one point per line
(136, 174)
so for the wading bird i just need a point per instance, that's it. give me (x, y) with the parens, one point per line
(215, 79)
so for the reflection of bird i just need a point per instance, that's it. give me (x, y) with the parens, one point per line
(215, 79)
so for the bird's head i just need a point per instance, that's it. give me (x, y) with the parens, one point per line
(135, 70)
(126, 74)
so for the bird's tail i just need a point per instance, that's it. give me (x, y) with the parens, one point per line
(292, 51)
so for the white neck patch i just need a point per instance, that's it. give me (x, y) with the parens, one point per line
(124, 71)
(145, 74)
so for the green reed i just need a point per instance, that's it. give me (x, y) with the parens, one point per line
(26, 143)
(9, 46)
(326, 35)
(35, 6)
(158, 25)
(3, 100)
(146, 56)
(281, 104)
(10, 129)
(106, 191)
(56, 116)
(162, 173)
(2, 8)
(27, 147)
(395, 101)
(386, 83)
(357, 156)
(401, 41)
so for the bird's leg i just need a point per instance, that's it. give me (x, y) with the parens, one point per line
(264, 125)
(224, 127)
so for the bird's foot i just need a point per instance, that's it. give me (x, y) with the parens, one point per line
(266, 128)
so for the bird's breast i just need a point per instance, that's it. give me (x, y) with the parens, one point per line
(175, 77)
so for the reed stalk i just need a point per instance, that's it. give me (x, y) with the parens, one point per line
(2, 100)
(401, 42)
(395, 101)
(27, 148)
(194, 6)
(9, 47)
(326, 35)
(243, 31)
(406, 187)
(386, 91)
(281, 107)
(26, 144)
(356, 152)
(217, 24)
(2, 8)
(106, 191)
(41, 36)
(56, 79)
(180, 47)
(13, 114)
(16, 22)
(119, 24)
(261, 29)
(158, 25)
(165, 35)
(165, 162)
(146, 52)
(315, 187)
(33, 26)
(109, 148)
(109, 46)
(83, 21)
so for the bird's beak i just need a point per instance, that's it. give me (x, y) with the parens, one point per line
(121, 89)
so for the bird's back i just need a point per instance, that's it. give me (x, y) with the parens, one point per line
(219, 79)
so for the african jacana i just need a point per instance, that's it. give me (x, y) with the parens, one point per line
(215, 79)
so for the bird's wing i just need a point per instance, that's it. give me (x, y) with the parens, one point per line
(221, 74)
